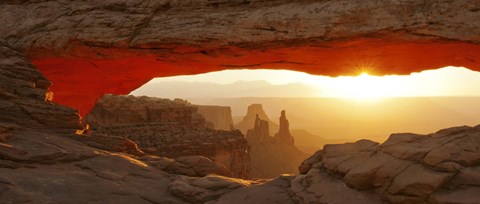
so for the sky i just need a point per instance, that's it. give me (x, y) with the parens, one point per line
(448, 81)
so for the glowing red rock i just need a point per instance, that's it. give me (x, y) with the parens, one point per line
(83, 74)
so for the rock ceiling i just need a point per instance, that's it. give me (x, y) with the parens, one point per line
(95, 47)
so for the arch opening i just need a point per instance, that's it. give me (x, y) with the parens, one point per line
(337, 107)
(82, 73)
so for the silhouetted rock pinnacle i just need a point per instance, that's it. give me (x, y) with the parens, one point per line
(260, 133)
(248, 121)
(283, 136)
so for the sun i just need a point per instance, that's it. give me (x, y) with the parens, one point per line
(363, 87)
(364, 74)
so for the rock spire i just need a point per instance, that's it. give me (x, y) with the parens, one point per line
(283, 136)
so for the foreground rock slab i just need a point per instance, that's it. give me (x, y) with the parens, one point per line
(437, 168)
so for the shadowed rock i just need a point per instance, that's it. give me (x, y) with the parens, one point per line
(250, 118)
(283, 136)
(271, 156)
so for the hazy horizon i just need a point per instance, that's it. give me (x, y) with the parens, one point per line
(337, 107)
(448, 81)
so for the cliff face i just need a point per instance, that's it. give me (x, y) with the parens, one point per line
(219, 116)
(171, 129)
(114, 110)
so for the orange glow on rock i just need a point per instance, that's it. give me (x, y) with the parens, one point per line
(81, 74)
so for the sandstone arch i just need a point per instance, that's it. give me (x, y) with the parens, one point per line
(91, 48)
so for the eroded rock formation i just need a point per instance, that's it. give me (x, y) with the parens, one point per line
(259, 134)
(283, 136)
(250, 119)
(42, 160)
(25, 98)
(90, 48)
(271, 157)
(170, 129)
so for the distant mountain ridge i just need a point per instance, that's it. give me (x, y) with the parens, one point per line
(183, 89)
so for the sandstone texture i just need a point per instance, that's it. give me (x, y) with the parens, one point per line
(25, 98)
(407, 168)
(90, 48)
(170, 129)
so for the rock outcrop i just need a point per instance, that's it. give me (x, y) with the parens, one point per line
(283, 136)
(44, 159)
(90, 48)
(219, 116)
(250, 119)
(259, 134)
(438, 168)
(272, 157)
(25, 96)
(170, 129)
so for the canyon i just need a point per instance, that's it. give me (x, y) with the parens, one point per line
(177, 128)
(57, 58)
(42, 156)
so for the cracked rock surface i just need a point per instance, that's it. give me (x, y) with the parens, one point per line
(407, 168)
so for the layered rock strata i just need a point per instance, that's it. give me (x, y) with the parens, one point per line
(170, 129)
(25, 96)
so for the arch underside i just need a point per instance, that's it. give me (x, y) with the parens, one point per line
(85, 73)
(90, 48)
